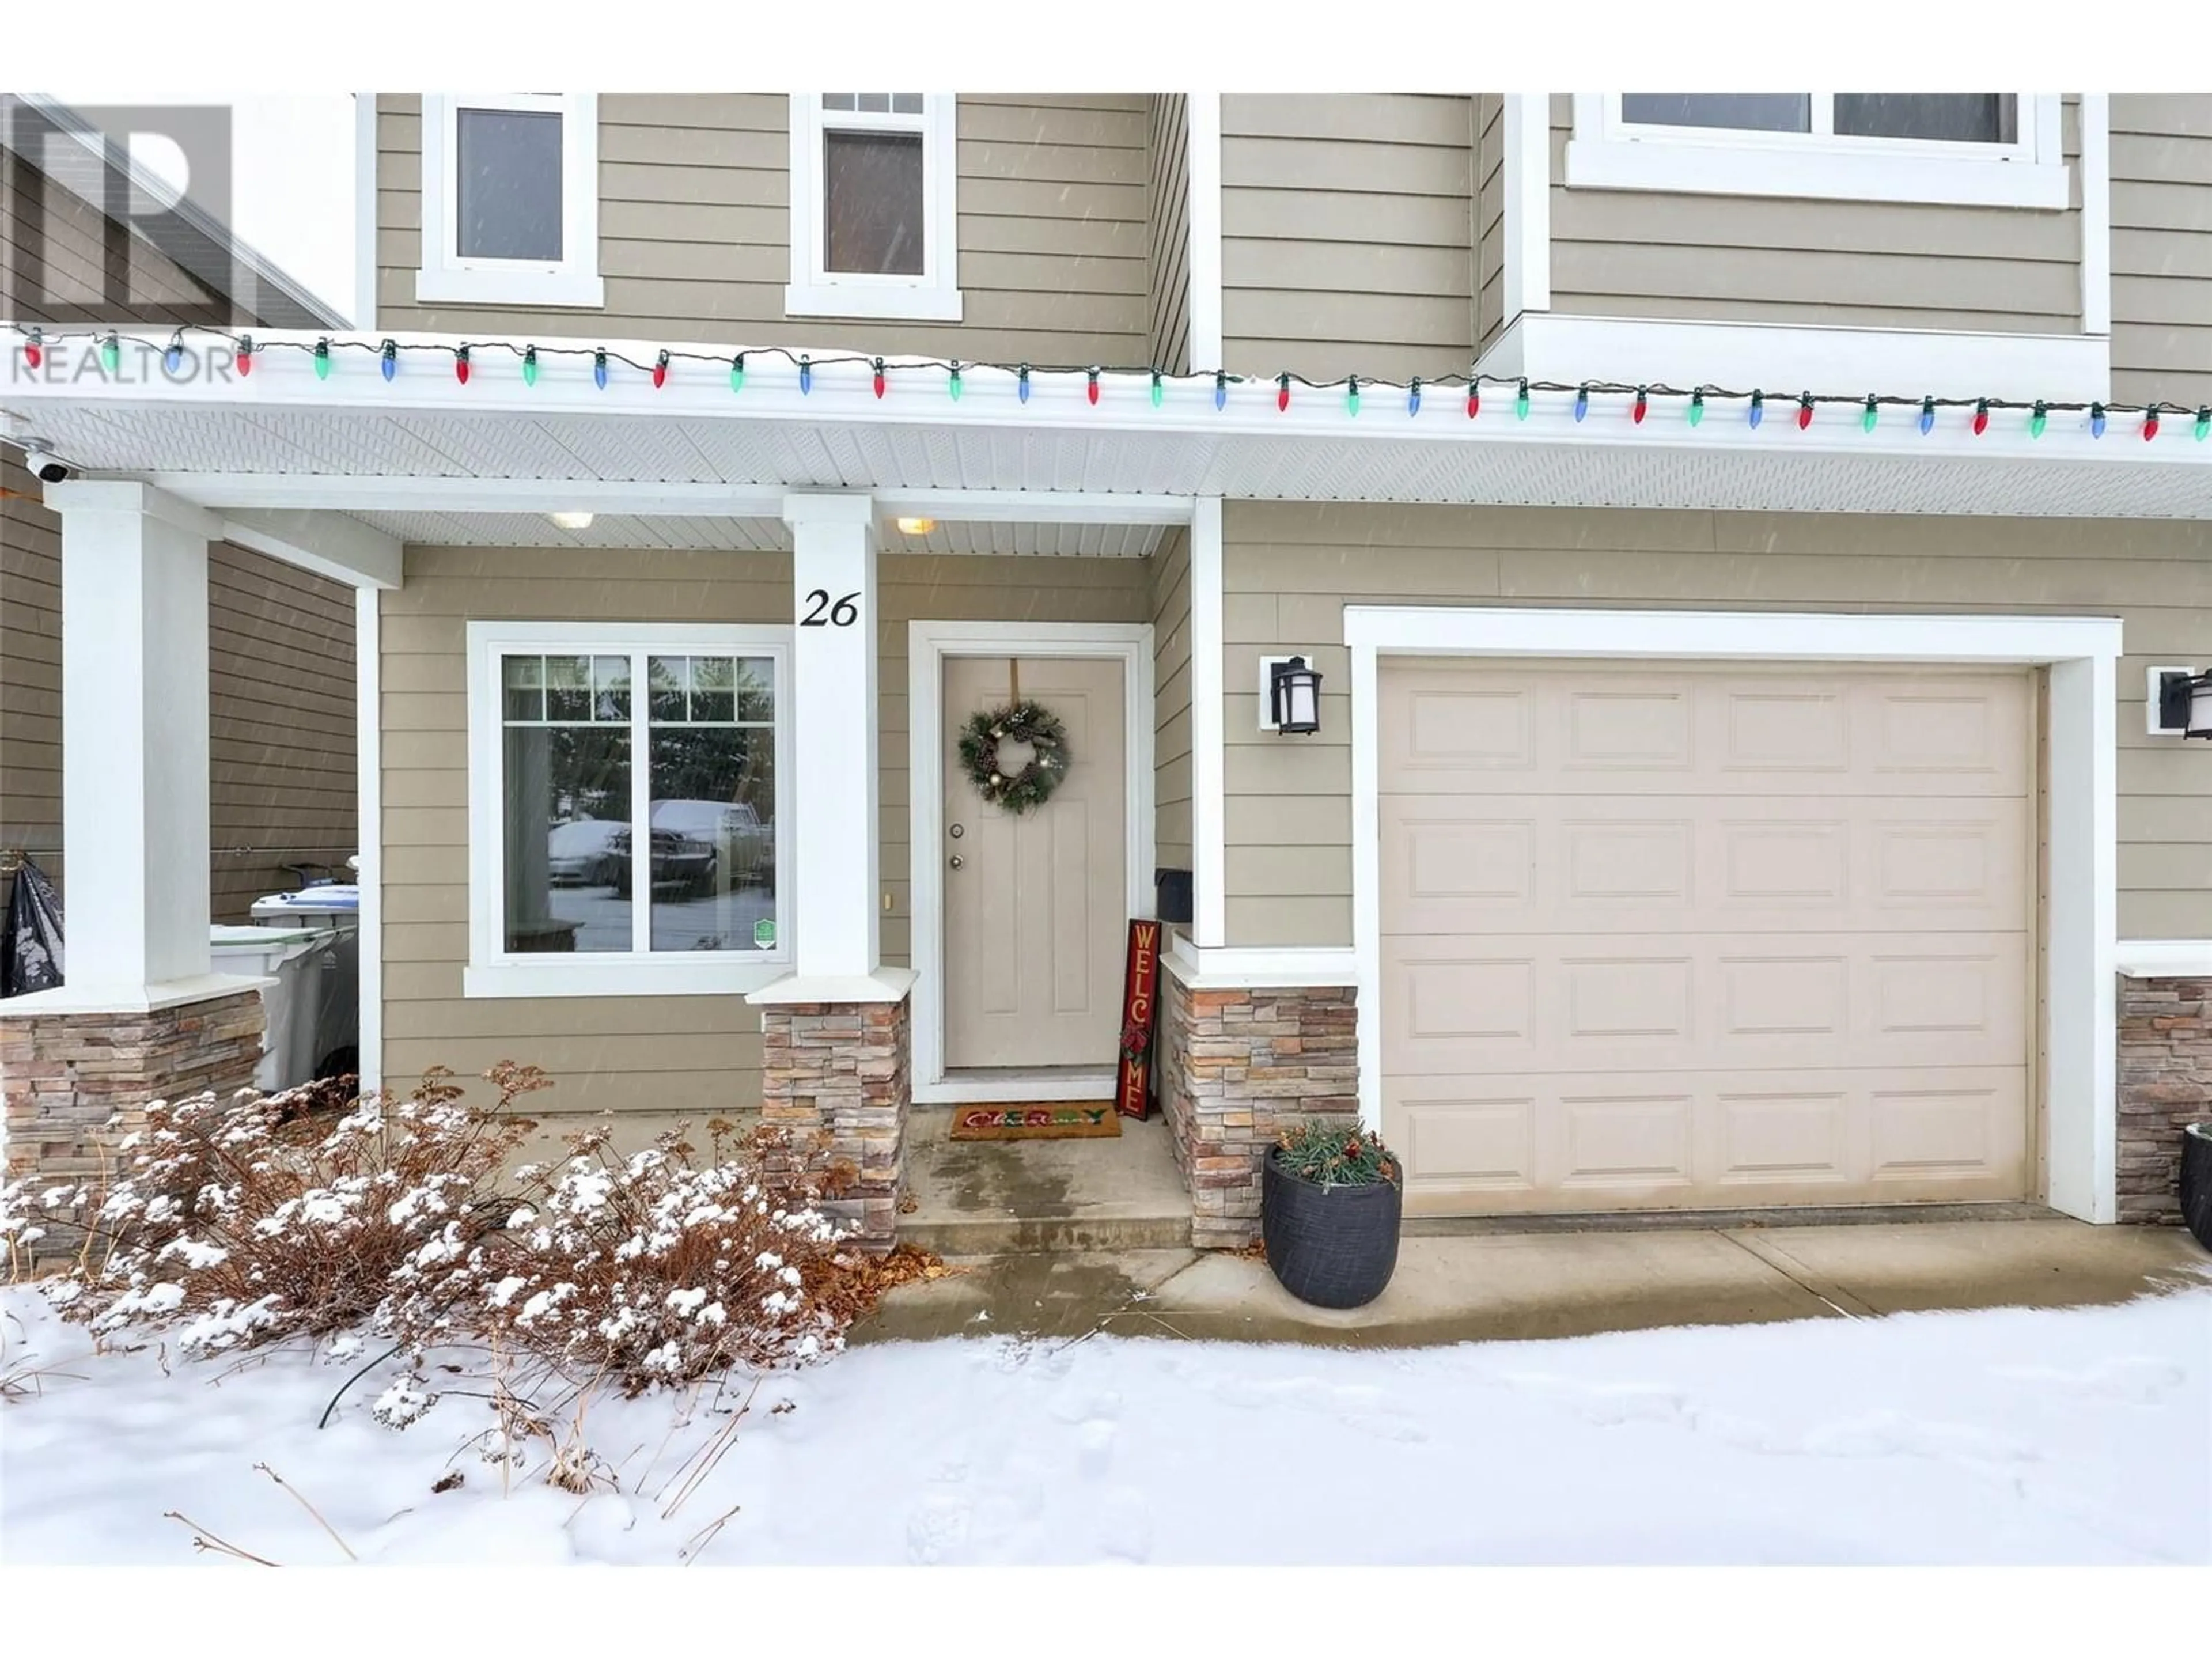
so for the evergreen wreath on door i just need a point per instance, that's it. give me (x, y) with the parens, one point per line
(1017, 722)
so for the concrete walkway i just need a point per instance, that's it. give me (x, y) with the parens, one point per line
(1523, 1285)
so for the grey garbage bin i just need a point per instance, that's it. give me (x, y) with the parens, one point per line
(297, 963)
(333, 908)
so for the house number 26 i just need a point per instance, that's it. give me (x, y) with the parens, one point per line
(823, 614)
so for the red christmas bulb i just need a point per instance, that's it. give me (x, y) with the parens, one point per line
(1981, 417)
(1804, 413)
(660, 371)
(879, 377)
(246, 357)
(1091, 388)
(1643, 405)
(1474, 401)
(461, 365)
(2150, 425)
(33, 353)
(1282, 391)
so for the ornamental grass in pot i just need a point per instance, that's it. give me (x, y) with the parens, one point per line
(2197, 1181)
(1331, 1197)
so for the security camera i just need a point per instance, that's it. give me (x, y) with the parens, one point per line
(46, 466)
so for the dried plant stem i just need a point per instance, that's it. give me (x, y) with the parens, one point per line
(707, 1535)
(300, 1500)
(703, 1462)
(203, 1538)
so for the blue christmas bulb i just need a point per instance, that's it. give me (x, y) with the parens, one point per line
(805, 375)
(1758, 410)
(1221, 389)
(173, 358)
(599, 369)
(1927, 415)
(388, 359)
(2096, 420)
(1582, 402)
(1023, 387)
(1414, 397)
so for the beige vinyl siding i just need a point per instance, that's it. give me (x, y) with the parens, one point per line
(694, 229)
(657, 1055)
(2162, 149)
(1167, 214)
(1345, 233)
(1172, 770)
(1288, 571)
(1767, 260)
(1489, 218)
(280, 708)
(282, 694)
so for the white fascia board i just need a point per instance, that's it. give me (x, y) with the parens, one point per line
(2163, 959)
(1783, 360)
(329, 543)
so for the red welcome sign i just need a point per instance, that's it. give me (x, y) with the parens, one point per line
(1141, 983)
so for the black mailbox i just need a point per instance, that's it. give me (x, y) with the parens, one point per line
(1174, 894)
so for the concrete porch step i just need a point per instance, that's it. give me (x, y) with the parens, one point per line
(1027, 1197)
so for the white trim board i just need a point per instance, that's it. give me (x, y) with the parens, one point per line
(2163, 959)
(363, 309)
(1202, 266)
(1785, 359)
(1209, 832)
(1241, 967)
(2096, 164)
(1527, 272)
(2080, 1035)
(368, 824)
(928, 645)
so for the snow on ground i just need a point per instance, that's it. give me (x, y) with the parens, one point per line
(2078, 1437)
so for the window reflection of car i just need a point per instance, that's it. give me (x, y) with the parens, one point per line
(695, 841)
(578, 853)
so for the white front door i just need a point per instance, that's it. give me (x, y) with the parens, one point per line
(1036, 905)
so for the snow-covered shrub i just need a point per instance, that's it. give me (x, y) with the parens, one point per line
(660, 1268)
(249, 1220)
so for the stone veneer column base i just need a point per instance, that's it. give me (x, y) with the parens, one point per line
(846, 1069)
(76, 1083)
(2165, 1081)
(1238, 1066)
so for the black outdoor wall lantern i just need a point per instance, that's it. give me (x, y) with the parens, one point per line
(2184, 702)
(1294, 695)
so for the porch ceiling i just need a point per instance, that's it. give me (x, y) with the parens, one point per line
(750, 534)
(714, 454)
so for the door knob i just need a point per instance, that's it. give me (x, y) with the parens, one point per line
(955, 860)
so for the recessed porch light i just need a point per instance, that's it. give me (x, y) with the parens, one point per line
(571, 520)
(916, 527)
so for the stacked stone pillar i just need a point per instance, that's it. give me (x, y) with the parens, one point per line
(845, 1069)
(2165, 1081)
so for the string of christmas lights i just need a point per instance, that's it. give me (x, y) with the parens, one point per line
(1153, 381)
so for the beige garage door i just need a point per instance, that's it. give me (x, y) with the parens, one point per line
(1693, 938)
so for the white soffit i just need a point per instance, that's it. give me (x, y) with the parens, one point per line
(1308, 455)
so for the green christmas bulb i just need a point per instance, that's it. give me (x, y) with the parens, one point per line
(1352, 395)
(530, 364)
(1696, 405)
(2037, 421)
(952, 387)
(322, 359)
(737, 373)
(1867, 419)
(1521, 403)
(111, 353)
(2203, 421)
(1157, 393)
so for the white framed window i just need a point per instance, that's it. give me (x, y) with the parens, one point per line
(1989, 150)
(511, 199)
(578, 734)
(874, 212)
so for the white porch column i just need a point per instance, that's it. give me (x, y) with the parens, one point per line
(135, 740)
(837, 912)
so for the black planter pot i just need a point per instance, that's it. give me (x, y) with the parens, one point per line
(2197, 1181)
(1334, 1246)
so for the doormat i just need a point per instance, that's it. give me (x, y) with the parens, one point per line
(1041, 1120)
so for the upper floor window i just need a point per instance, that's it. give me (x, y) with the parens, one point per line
(873, 178)
(1983, 148)
(511, 200)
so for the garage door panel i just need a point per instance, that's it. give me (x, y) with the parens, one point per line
(1451, 727)
(1628, 863)
(1724, 1003)
(1532, 1142)
(1687, 937)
